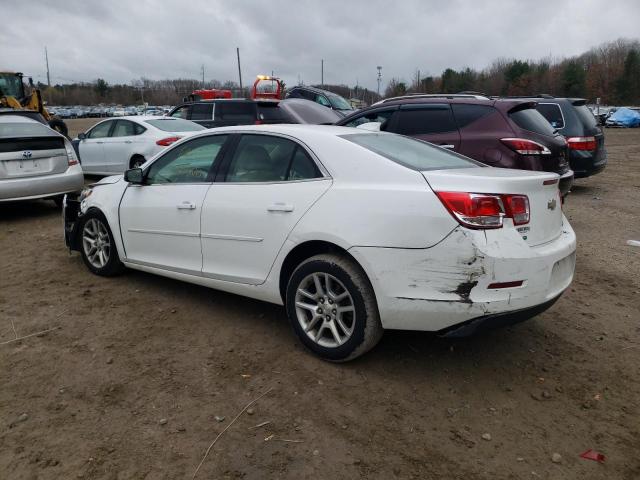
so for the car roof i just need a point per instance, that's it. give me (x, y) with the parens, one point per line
(295, 130)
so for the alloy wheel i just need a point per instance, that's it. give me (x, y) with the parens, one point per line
(325, 309)
(96, 243)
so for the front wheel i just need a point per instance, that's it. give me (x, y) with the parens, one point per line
(98, 248)
(332, 308)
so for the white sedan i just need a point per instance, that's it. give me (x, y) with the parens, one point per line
(115, 145)
(353, 231)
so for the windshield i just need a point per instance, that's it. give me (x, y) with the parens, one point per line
(11, 85)
(175, 125)
(338, 102)
(410, 152)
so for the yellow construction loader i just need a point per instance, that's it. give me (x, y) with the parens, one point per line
(14, 98)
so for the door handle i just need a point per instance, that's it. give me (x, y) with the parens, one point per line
(186, 206)
(128, 141)
(99, 142)
(280, 207)
(447, 146)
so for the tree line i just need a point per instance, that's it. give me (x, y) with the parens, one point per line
(610, 71)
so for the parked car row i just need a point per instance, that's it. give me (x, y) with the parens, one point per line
(103, 111)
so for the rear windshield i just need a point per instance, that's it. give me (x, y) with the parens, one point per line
(410, 152)
(23, 129)
(175, 125)
(235, 111)
(586, 117)
(530, 119)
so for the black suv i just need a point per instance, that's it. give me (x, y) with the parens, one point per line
(228, 112)
(573, 119)
(507, 133)
(323, 97)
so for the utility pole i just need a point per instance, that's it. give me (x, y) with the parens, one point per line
(239, 71)
(379, 78)
(203, 75)
(46, 58)
(322, 73)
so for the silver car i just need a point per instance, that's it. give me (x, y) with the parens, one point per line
(35, 161)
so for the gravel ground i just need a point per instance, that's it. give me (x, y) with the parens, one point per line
(144, 372)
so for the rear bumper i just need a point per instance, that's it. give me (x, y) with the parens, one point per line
(566, 182)
(446, 286)
(29, 188)
(585, 164)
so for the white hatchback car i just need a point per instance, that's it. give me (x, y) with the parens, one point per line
(353, 231)
(114, 145)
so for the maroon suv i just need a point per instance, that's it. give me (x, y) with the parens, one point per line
(506, 133)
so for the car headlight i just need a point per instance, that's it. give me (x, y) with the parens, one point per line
(86, 192)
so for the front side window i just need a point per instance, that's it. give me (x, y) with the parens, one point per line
(377, 116)
(101, 130)
(425, 120)
(181, 112)
(202, 111)
(553, 114)
(191, 162)
(409, 152)
(322, 100)
(124, 128)
(266, 158)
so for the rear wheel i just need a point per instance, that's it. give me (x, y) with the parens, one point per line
(97, 246)
(332, 308)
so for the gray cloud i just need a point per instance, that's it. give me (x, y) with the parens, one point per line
(122, 40)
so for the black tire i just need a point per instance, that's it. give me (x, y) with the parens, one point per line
(58, 200)
(59, 126)
(136, 161)
(113, 265)
(366, 326)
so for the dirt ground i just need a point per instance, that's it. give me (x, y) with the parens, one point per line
(144, 372)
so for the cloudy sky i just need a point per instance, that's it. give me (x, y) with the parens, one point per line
(125, 40)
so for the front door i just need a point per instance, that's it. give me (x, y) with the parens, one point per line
(91, 148)
(119, 146)
(270, 183)
(160, 220)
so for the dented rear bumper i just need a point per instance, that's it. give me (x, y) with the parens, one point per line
(439, 288)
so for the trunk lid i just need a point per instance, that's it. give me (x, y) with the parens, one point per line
(545, 223)
(29, 157)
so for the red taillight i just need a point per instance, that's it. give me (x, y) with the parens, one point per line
(482, 210)
(517, 207)
(525, 147)
(582, 143)
(165, 142)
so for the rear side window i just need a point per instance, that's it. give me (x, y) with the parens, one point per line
(467, 114)
(235, 111)
(124, 128)
(425, 120)
(410, 152)
(202, 111)
(585, 116)
(530, 119)
(553, 114)
(266, 158)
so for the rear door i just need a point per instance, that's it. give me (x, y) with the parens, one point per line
(429, 122)
(269, 184)
(91, 148)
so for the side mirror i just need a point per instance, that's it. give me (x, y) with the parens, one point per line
(82, 136)
(134, 176)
